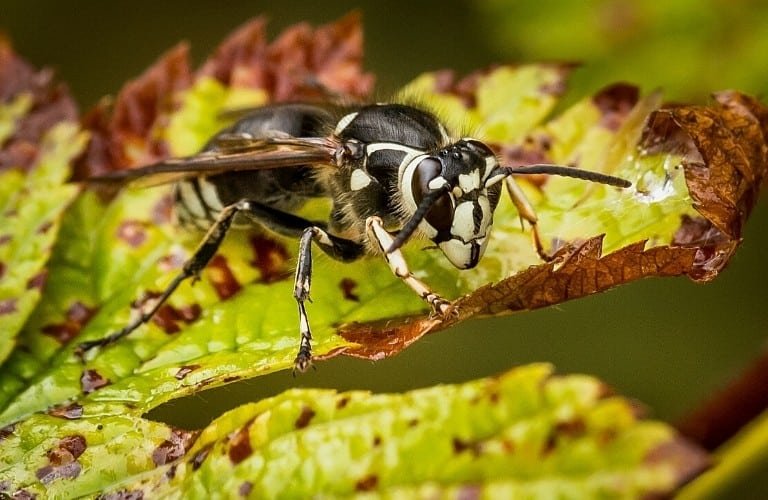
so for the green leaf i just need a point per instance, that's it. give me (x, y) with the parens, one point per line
(74, 426)
(31, 207)
(524, 432)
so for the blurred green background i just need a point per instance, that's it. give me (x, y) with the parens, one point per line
(667, 342)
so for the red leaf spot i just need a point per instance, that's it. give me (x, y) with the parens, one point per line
(7, 431)
(240, 446)
(270, 258)
(36, 281)
(132, 232)
(72, 411)
(44, 227)
(162, 211)
(7, 306)
(78, 315)
(91, 381)
(174, 447)
(615, 102)
(368, 483)
(348, 286)
(200, 456)
(245, 488)
(63, 460)
(305, 417)
(222, 279)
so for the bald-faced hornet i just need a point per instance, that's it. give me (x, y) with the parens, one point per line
(391, 170)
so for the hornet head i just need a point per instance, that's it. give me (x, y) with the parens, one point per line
(451, 200)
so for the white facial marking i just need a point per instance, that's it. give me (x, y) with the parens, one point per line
(469, 182)
(490, 164)
(457, 252)
(457, 191)
(359, 180)
(463, 224)
(485, 207)
(346, 120)
(437, 183)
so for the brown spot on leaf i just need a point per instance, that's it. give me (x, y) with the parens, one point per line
(91, 380)
(376, 440)
(460, 446)
(7, 431)
(572, 428)
(72, 411)
(342, 402)
(8, 306)
(23, 495)
(44, 227)
(174, 447)
(270, 258)
(2, 269)
(78, 315)
(168, 317)
(200, 457)
(62, 460)
(122, 495)
(245, 488)
(36, 281)
(348, 286)
(222, 279)
(305, 417)
(615, 102)
(5, 238)
(171, 472)
(240, 445)
(132, 232)
(185, 370)
(368, 483)
(162, 210)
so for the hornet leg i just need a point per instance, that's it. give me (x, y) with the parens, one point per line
(400, 269)
(192, 267)
(526, 212)
(338, 248)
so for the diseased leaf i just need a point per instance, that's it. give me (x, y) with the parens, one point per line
(36, 149)
(696, 173)
(524, 432)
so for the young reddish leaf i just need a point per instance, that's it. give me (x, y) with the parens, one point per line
(303, 63)
(48, 103)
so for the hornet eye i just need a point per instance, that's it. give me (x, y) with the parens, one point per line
(440, 216)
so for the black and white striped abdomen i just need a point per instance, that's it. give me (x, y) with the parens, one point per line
(197, 203)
